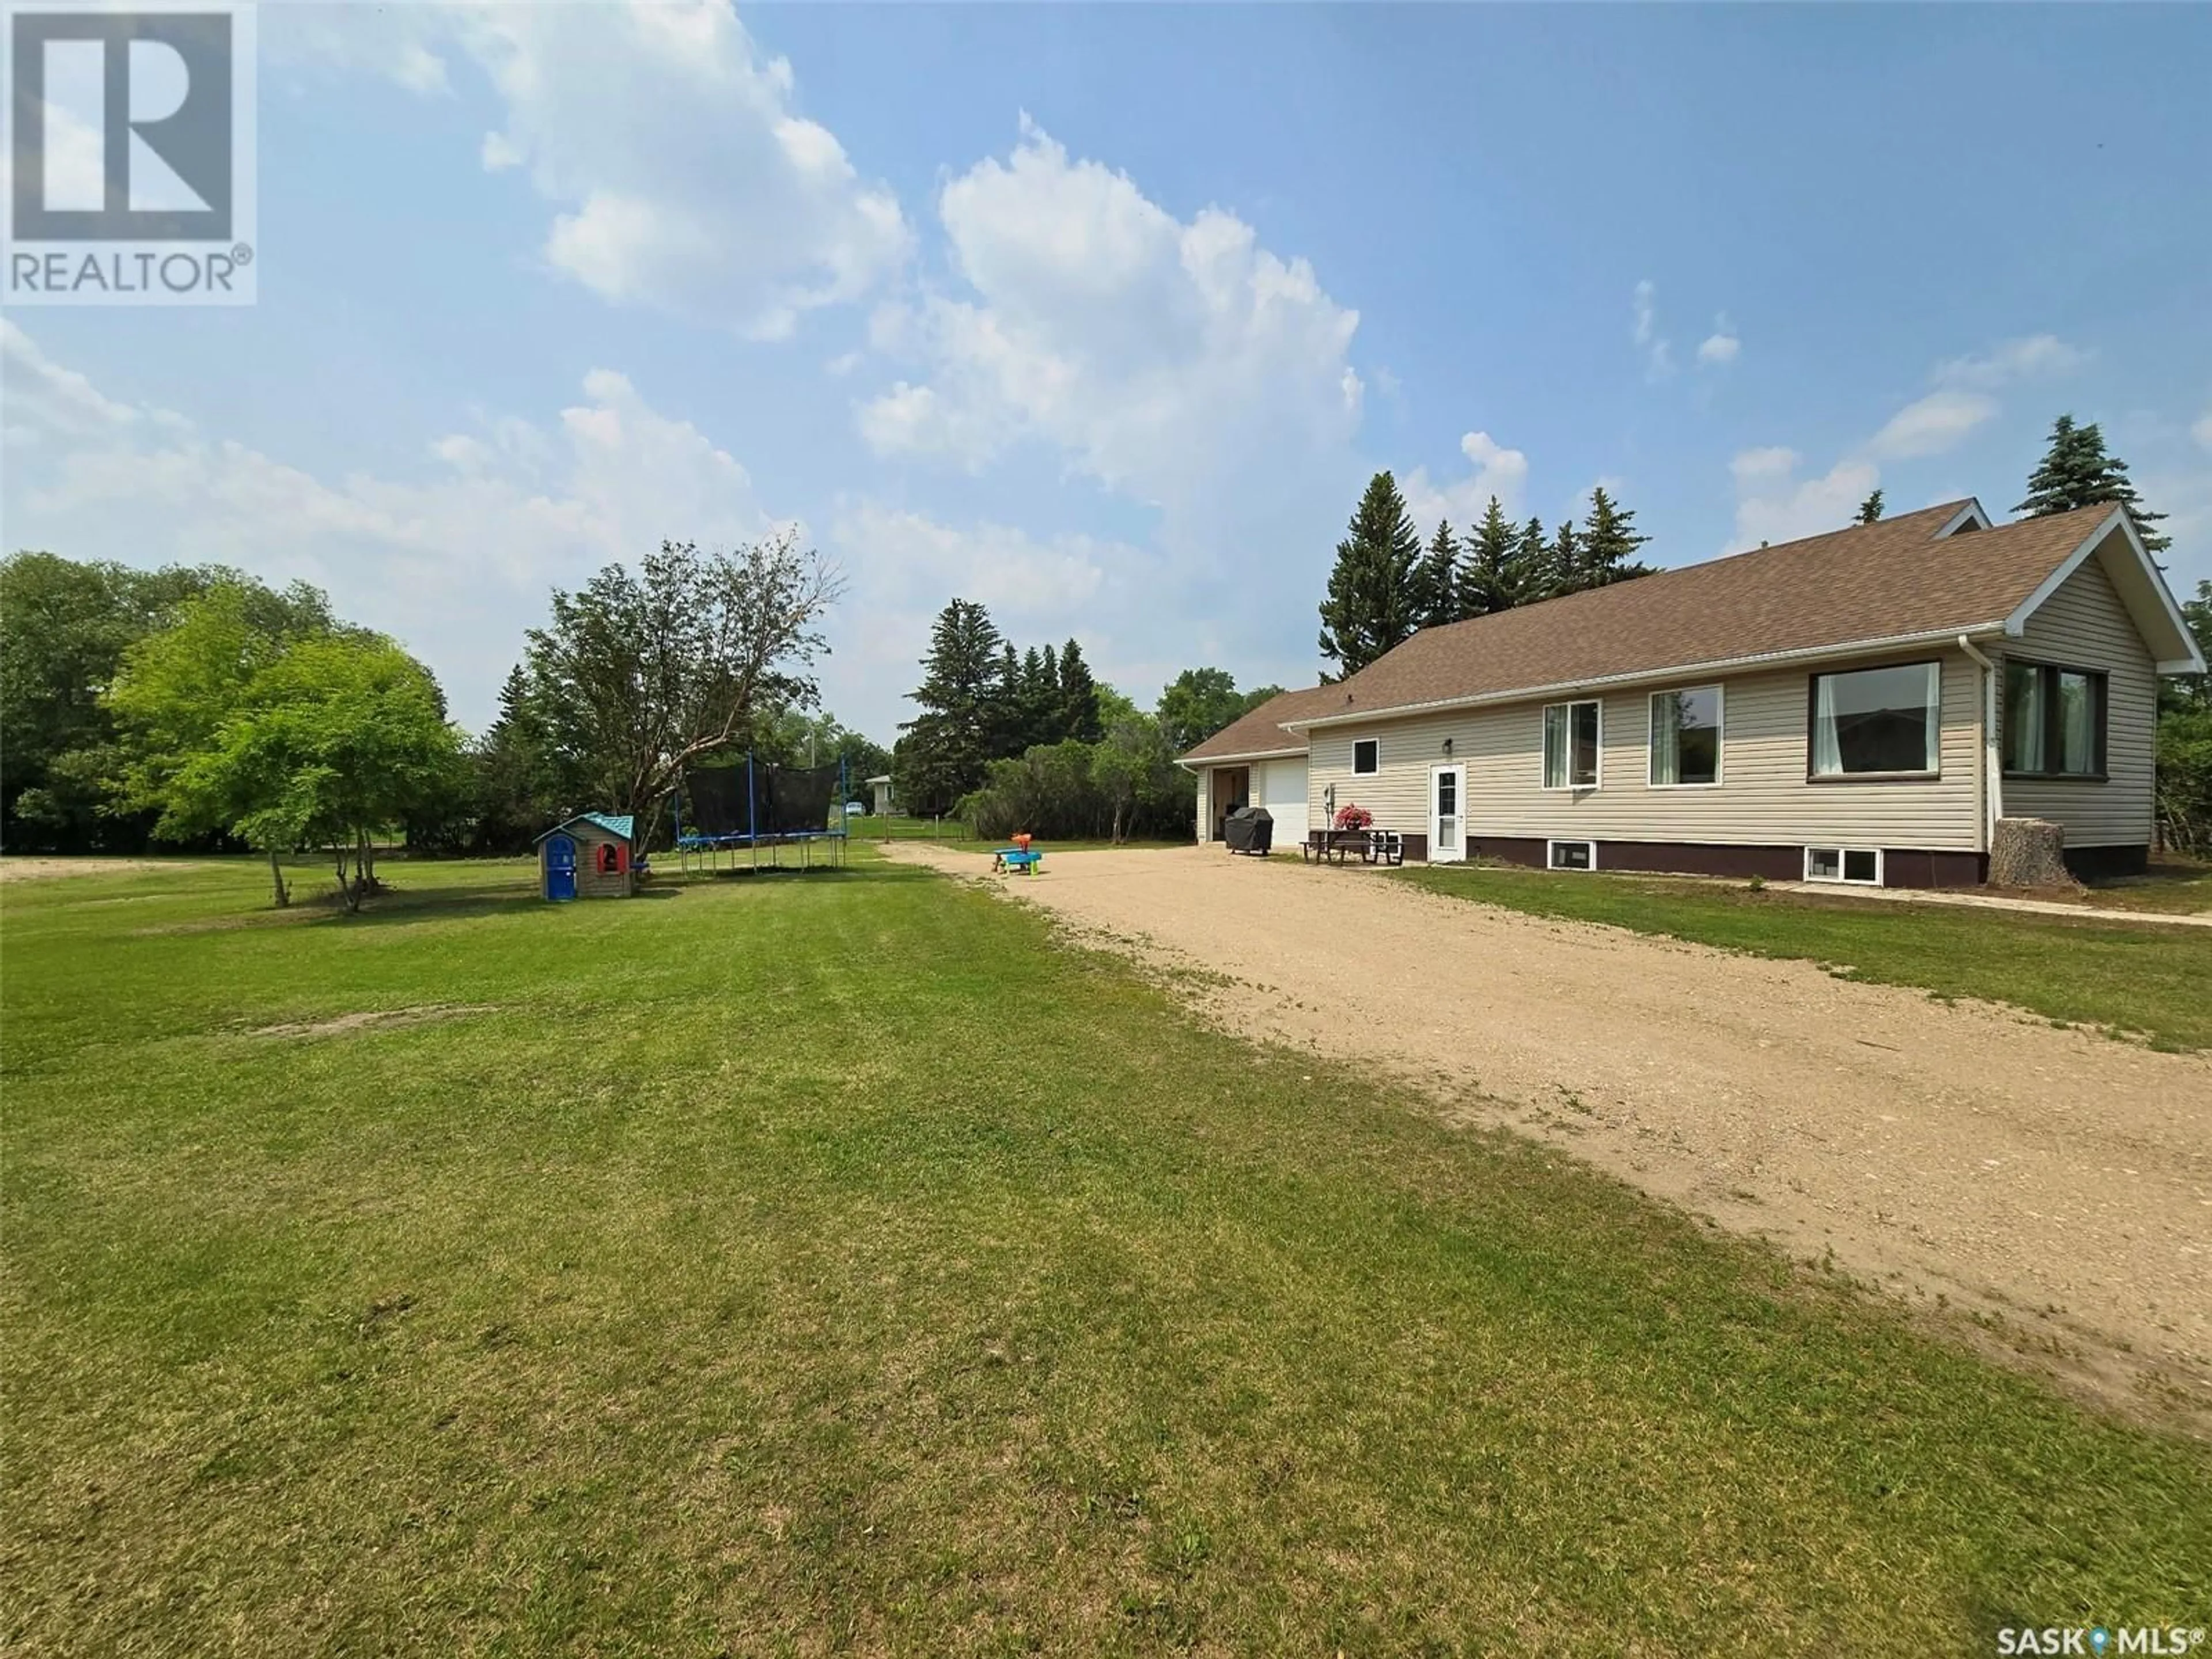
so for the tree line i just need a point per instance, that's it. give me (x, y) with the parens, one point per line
(1386, 585)
(1008, 739)
(196, 706)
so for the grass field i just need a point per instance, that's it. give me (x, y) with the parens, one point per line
(2150, 981)
(834, 1263)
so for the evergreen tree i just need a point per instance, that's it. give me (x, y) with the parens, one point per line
(1487, 571)
(1079, 697)
(1435, 579)
(1870, 509)
(1529, 570)
(1564, 573)
(1371, 603)
(945, 749)
(1609, 542)
(1009, 713)
(2076, 473)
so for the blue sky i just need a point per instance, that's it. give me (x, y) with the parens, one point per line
(1102, 315)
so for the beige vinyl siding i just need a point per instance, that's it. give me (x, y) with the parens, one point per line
(2085, 625)
(1205, 775)
(1762, 798)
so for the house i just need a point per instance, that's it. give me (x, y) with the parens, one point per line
(880, 788)
(1860, 706)
(591, 855)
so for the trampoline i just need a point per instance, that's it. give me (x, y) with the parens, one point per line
(734, 812)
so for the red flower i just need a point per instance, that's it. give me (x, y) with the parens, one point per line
(1353, 816)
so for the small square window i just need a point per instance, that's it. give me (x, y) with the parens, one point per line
(1861, 863)
(1367, 755)
(1573, 855)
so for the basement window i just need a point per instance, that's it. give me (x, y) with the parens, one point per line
(1571, 854)
(1859, 866)
(1367, 755)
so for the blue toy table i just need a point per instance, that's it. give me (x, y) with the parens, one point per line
(1018, 860)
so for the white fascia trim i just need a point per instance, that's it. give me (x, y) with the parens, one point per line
(1193, 763)
(1685, 674)
(2192, 662)
(1970, 513)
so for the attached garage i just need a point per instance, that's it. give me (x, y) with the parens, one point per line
(1257, 762)
(1282, 790)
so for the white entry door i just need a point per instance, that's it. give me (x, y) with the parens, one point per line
(1447, 814)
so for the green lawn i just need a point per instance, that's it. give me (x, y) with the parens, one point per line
(2149, 980)
(832, 1263)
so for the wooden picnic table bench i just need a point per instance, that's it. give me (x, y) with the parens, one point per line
(1335, 846)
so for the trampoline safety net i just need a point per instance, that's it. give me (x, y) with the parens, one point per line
(723, 802)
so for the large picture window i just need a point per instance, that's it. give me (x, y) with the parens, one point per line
(2054, 721)
(1877, 722)
(1685, 736)
(1570, 745)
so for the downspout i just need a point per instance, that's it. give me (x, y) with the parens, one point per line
(1992, 770)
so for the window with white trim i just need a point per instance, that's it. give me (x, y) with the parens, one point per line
(1686, 738)
(1367, 755)
(1571, 733)
(1859, 866)
(1571, 854)
(2054, 721)
(1877, 722)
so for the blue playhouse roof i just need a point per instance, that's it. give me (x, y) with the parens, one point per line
(624, 826)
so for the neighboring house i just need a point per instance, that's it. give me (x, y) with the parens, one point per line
(1859, 707)
(880, 789)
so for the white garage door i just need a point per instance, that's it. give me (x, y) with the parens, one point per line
(1283, 792)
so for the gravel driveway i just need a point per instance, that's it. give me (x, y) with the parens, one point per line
(2056, 1179)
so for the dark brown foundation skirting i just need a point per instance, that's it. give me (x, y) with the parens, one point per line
(1902, 866)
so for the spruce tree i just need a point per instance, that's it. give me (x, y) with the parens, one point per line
(1435, 579)
(1079, 697)
(1870, 509)
(1009, 726)
(1487, 570)
(943, 754)
(1609, 542)
(1564, 563)
(1372, 601)
(1530, 567)
(2077, 472)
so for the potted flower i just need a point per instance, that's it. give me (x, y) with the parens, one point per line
(1353, 816)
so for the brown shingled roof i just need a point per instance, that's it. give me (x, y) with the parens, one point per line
(1877, 581)
(1261, 732)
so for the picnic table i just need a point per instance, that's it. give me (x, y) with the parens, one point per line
(1335, 846)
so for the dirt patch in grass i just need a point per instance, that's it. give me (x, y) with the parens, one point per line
(46, 869)
(372, 1017)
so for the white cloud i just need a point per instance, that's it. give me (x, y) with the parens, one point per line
(725, 206)
(1163, 357)
(1930, 425)
(455, 562)
(2033, 356)
(1774, 504)
(1497, 471)
(2202, 431)
(1721, 347)
(1644, 324)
